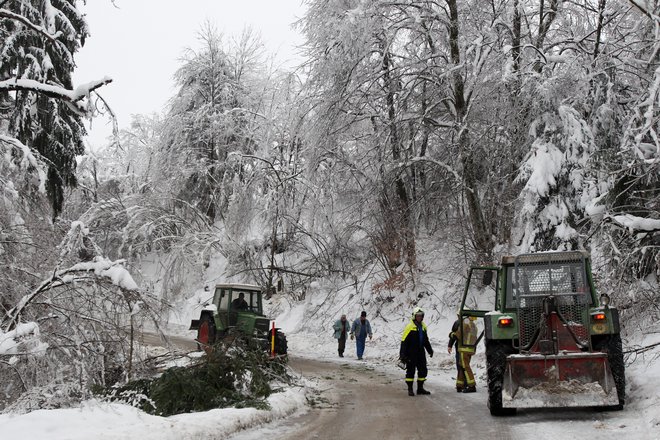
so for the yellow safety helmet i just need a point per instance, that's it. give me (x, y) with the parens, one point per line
(417, 311)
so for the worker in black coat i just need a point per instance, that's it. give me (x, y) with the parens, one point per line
(414, 341)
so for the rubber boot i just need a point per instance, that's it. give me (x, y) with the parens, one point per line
(420, 388)
(470, 389)
(410, 389)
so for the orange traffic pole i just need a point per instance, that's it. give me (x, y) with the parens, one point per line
(272, 341)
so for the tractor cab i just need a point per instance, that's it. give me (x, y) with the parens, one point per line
(234, 301)
(238, 306)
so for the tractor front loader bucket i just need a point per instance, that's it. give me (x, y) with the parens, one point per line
(559, 380)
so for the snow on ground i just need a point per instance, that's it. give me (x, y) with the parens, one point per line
(308, 325)
(102, 420)
(640, 419)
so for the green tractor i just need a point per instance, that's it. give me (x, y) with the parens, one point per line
(550, 341)
(237, 308)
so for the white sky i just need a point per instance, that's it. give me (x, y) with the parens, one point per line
(138, 44)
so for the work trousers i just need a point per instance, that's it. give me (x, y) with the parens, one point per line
(420, 366)
(342, 345)
(465, 376)
(359, 345)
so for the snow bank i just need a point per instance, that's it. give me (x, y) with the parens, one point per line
(100, 420)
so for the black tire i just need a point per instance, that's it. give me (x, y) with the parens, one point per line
(206, 333)
(496, 353)
(612, 345)
(281, 345)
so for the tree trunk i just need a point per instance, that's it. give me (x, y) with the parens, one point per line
(482, 238)
(402, 204)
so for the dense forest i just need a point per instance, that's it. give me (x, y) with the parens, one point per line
(497, 127)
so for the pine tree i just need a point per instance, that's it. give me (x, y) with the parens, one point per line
(38, 106)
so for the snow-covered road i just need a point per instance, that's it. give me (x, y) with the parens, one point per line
(369, 399)
(360, 398)
(345, 398)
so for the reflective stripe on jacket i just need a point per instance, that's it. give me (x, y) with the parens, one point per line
(410, 342)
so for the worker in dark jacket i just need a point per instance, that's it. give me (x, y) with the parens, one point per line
(413, 342)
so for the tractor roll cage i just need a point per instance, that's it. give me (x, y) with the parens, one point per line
(558, 278)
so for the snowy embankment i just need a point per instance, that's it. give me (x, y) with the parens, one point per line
(102, 420)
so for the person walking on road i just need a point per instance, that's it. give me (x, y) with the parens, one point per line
(464, 336)
(360, 330)
(341, 328)
(414, 341)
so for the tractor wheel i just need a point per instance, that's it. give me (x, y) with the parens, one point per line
(496, 353)
(614, 349)
(206, 332)
(281, 345)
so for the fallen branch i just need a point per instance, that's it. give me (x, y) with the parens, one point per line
(641, 350)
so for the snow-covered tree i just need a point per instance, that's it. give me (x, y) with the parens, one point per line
(213, 114)
(558, 184)
(630, 209)
(40, 107)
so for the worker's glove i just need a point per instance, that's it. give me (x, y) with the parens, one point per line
(403, 359)
(449, 350)
(351, 337)
(370, 336)
(431, 353)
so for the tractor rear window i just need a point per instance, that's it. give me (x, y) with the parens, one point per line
(566, 281)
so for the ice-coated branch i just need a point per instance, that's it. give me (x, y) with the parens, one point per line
(72, 97)
(99, 270)
(54, 91)
(4, 13)
(645, 8)
(25, 158)
(635, 224)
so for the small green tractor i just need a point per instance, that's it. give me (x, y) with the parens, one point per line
(237, 308)
(550, 341)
